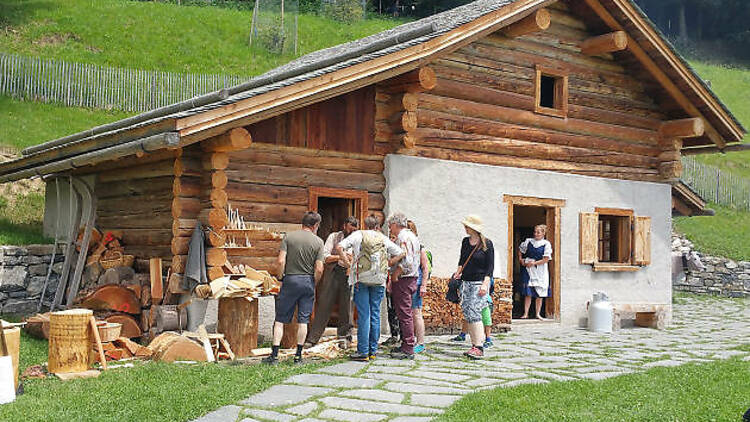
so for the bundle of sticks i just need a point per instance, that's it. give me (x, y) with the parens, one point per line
(252, 285)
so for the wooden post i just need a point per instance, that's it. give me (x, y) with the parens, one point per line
(607, 43)
(157, 286)
(537, 21)
(238, 321)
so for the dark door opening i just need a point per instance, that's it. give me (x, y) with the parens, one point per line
(333, 212)
(524, 220)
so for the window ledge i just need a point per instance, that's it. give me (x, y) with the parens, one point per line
(615, 267)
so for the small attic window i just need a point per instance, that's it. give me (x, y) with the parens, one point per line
(551, 92)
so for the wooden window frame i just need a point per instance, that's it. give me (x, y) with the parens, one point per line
(618, 266)
(561, 92)
(360, 198)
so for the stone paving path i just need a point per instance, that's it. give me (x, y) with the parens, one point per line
(413, 391)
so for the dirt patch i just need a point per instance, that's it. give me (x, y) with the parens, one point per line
(51, 40)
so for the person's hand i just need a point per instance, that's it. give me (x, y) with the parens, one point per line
(422, 290)
(483, 289)
(457, 275)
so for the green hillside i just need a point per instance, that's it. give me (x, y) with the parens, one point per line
(23, 124)
(733, 87)
(158, 36)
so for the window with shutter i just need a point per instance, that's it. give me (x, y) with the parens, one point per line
(613, 239)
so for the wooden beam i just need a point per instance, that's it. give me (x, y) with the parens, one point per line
(607, 43)
(682, 128)
(232, 140)
(714, 149)
(535, 22)
(656, 71)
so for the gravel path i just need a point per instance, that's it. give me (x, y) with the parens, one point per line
(704, 330)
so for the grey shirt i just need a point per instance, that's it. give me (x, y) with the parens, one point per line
(302, 249)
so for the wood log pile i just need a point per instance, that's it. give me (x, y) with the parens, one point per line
(443, 317)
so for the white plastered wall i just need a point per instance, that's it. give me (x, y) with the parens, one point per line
(437, 194)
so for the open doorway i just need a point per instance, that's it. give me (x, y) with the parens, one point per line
(334, 206)
(523, 214)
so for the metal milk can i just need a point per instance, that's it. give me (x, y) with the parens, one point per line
(600, 313)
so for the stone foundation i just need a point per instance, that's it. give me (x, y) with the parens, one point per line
(23, 270)
(722, 276)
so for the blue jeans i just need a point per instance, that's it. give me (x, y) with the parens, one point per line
(367, 300)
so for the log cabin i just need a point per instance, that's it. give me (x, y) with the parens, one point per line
(571, 113)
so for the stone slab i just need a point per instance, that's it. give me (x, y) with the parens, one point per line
(346, 368)
(374, 395)
(222, 414)
(331, 381)
(433, 400)
(283, 395)
(303, 409)
(600, 375)
(663, 363)
(525, 381)
(270, 415)
(404, 378)
(368, 406)
(349, 416)
(401, 387)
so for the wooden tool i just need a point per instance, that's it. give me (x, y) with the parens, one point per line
(98, 340)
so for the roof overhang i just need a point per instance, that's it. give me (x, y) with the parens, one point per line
(249, 107)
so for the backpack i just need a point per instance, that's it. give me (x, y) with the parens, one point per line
(372, 255)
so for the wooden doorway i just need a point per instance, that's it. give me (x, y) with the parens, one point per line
(334, 206)
(523, 214)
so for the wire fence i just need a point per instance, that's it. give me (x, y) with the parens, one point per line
(104, 87)
(715, 185)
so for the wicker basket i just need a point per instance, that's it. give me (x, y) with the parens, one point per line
(109, 331)
(112, 262)
(120, 260)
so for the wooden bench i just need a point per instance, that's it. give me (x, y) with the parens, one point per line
(646, 315)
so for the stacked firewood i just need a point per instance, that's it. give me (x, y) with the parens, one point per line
(443, 317)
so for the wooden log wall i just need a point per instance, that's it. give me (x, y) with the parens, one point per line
(481, 108)
(134, 196)
(269, 184)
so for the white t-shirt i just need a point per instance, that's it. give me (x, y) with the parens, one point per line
(410, 244)
(374, 276)
(538, 274)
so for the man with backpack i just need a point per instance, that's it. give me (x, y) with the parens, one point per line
(368, 273)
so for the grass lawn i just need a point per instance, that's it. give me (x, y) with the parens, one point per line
(23, 124)
(718, 391)
(148, 392)
(733, 87)
(158, 36)
(725, 234)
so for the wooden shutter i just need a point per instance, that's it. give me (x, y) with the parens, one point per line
(642, 241)
(589, 240)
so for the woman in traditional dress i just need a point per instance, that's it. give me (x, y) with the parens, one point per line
(534, 254)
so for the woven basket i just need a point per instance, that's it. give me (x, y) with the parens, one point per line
(118, 261)
(109, 331)
(128, 260)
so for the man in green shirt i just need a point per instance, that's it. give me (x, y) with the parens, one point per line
(301, 264)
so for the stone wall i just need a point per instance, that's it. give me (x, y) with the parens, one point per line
(722, 276)
(23, 270)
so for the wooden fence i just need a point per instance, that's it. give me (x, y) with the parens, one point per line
(87, 85)
(715, 185)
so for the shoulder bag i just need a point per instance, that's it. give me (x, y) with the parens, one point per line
(454, 285)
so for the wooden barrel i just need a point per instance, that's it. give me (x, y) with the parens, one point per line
(13, 342)
(69, 341)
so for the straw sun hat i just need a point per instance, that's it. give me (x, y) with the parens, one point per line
(473, 222)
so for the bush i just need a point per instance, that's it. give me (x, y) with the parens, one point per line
(344, 10)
